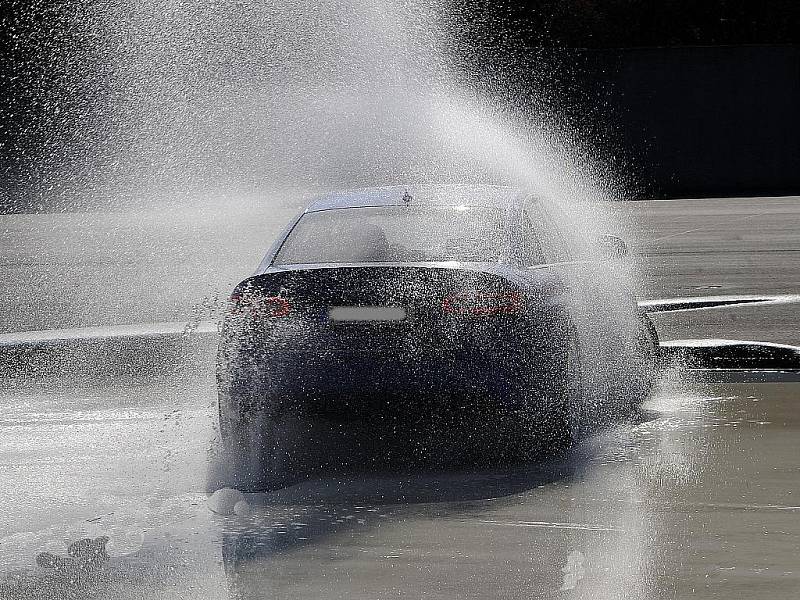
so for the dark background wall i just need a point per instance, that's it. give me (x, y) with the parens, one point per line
(690, 121)
(685, 97)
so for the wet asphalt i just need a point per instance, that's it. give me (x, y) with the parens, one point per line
(695, 496)
(698, 495)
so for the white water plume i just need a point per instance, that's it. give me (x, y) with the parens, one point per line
(206, 100)
(218, 100)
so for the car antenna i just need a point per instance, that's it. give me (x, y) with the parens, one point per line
(407, 198)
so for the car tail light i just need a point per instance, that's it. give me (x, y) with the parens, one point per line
(483, 304)
(260, 306)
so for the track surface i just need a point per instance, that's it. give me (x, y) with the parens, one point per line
(720, 247)
(77, 270)
(700, 496)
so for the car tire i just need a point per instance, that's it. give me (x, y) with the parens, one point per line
(547, 425)
(254, 435)
(649, 356)
(258, 452)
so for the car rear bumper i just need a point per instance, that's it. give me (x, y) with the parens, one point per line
(353, 368)
(347, 384)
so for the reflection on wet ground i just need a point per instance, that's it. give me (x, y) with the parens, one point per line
(696, 497)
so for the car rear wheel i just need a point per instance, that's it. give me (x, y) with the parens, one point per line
(258, 451)
(255, 436)
(547, 422)
(649, 357)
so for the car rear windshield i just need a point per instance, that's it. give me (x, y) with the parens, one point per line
(394, 234)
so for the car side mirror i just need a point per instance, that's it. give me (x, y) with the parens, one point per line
(611, 247)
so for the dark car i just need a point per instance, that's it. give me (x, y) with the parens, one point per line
(465, 315)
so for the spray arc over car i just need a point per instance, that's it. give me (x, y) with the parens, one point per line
(432, 318)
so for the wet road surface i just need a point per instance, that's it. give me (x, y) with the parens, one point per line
(697, 496)
(77, 270)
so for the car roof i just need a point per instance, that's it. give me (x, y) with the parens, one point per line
(425, 195)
